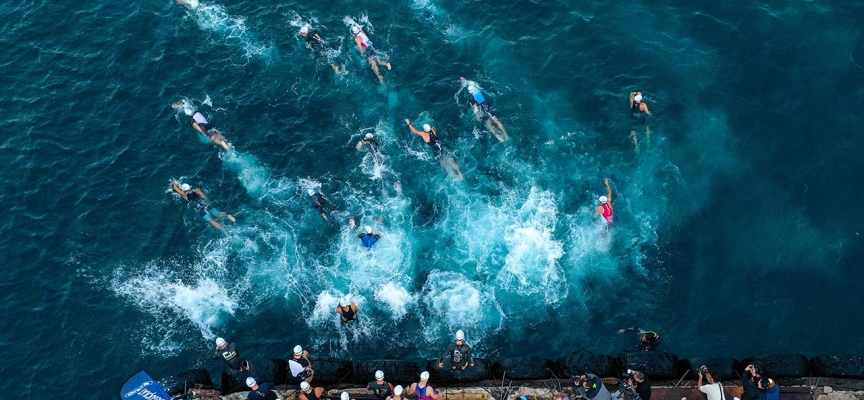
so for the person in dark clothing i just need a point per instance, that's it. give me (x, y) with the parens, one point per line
(430, 136)
(638, 111)
(380, 387)
(369, 142)
(263, 391)
(459, 353)
(200, 123)
(347, 313)
(201, 203)
(307, 392)
(228, 352)
(648, 340)
(319, 202)
(300, 366)
(317, 44)
(640, 384)
(751, 381)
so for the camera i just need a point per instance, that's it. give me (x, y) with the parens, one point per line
(703, 369)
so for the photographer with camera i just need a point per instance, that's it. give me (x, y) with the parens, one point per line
(636, 384)
(754, 384)
(591, 387)
(713, 389)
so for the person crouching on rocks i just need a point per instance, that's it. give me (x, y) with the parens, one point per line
(300, 365)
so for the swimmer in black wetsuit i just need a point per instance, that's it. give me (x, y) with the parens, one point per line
(370, 143)
(319, 202)
(199, 200)
(638, 111)
(430, 136)
(347, 313)
(314, 42)
(200, 123)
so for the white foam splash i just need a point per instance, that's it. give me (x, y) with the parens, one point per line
(215, 18)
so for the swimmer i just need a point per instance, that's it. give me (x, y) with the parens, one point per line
(368, 239)
(201, 203)
(430, 136)
(364, 45)
(300, 366)
(483, 111)
(319, 202)
(200, 123)
(314, 42)
(190, 4)
(370, 143)
(638, 110)
(605, 207)
(348, 312)
(637, 105)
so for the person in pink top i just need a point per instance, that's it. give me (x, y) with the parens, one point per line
(605, 208)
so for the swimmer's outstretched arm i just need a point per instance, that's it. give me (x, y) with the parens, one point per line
(608, 190)
(416, 131)
(201, 193)
(177, 189)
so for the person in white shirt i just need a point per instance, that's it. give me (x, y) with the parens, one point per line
(713, 388)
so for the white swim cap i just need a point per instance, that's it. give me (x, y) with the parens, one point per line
(187, 111)
(304, 29)
(355, 29)
(369, 136)
(397, 390)
(424, 376)
(298, 350)
(603, 199)
(427, 128)
(250, 381)
(637, 98)
(379, 375)
(220, 342)
(472, 88)
(304, 386)
(345, 396)
(368, 229)
(186, 186)
(460, 335)
(311, 192)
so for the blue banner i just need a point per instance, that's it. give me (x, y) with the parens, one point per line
(143, 387)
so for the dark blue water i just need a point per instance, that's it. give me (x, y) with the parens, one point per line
(738, 229)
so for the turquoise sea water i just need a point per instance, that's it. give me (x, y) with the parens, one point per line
(738, 230)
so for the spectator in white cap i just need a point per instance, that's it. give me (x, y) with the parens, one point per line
(381, 388)
(300, 365)
(228, 352)
(459, 353)
(422, 388)
(397, 393)
(605, 207)
(263, 391)
(307, 392)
